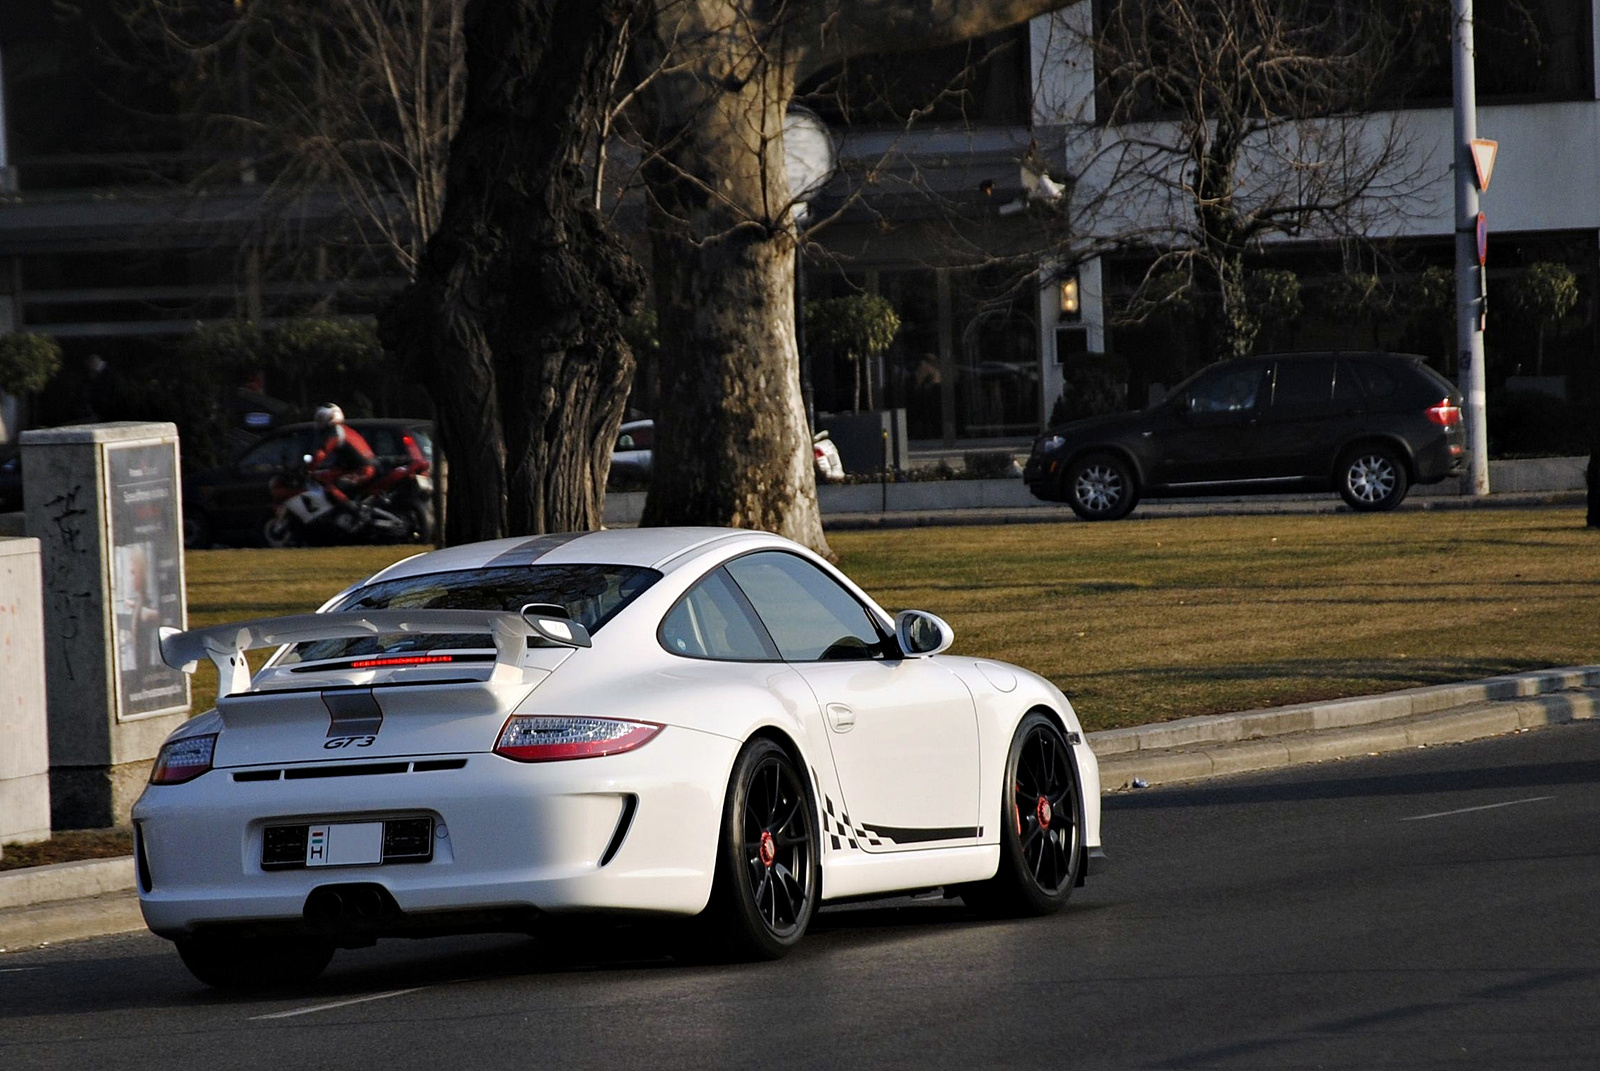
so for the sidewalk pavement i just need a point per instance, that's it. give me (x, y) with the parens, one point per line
(68, 901)
(1151, 509)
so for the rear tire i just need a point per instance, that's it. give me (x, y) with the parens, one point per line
(1041, 827)
(769, 865)
(1372, 479)
(255, 962)
(1099, 487)
(419, 523)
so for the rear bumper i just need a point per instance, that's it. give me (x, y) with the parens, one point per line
(630, 832)
(1440, 460)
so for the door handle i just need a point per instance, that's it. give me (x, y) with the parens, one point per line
(840, 717)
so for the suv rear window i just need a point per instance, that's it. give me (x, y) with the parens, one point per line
(1376, 380)
(592, 594)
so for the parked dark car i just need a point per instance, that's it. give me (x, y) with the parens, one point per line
(233, 503)
(1368, 425)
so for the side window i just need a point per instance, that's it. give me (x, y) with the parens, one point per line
(1346, 388)
(1377, 380)
(714, 620)
(273, 455)
(1231, 390)
(1303, 386)
(810, 617)
(385, 441)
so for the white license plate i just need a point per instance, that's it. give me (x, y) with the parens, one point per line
(344, 844)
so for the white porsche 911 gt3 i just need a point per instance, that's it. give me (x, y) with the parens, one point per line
(691, 722)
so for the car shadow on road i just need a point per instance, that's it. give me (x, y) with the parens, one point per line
(145, 975)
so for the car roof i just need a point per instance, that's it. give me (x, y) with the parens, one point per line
(653, 548)
(1382, 355)
(366, 422)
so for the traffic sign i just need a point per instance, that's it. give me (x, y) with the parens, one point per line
(1483, 240)
(1483, 154)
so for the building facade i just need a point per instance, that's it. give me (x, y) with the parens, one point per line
(959, 199)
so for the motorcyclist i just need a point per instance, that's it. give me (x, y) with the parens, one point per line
(344, 464)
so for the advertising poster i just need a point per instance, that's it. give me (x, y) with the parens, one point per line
(146, 575)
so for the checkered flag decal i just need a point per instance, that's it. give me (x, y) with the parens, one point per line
(842, 833)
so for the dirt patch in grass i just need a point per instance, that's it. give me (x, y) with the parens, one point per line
(69, 847)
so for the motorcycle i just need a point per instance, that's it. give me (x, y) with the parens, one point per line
(397, 507)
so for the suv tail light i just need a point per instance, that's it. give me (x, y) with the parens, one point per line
(1446, 414)
(548, 738)
(183, 760)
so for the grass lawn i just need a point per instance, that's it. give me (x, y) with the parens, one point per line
(1151, 619)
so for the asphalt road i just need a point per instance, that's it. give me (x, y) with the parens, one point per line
(1434, 908)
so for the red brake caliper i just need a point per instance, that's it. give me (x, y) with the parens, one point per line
(769, 848)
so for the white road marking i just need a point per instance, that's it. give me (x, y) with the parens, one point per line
(18, 970)
(1467, 810)
(291, 1013)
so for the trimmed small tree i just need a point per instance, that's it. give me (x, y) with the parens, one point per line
(27, 361)
(1361, 297)
(1273, 297)
(858, 328)
(1545, 293)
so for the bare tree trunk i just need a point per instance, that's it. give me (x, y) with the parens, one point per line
(732, 421)
(514, 319)
(733, 448)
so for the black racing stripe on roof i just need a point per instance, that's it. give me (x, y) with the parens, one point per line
(530, 551)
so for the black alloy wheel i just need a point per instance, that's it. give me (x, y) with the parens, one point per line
(1372, 479)
(768, 864)
(1041, 818)
(1100, 487)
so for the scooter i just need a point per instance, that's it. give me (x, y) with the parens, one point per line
(830, 468)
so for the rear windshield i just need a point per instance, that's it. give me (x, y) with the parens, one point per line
(592, 594)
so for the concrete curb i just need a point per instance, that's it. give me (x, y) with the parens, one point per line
(65, 881)
(1337, 713)
(1452, 726)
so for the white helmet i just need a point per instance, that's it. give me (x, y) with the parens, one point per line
(329, 415)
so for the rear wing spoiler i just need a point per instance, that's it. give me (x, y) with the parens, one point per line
(225, 645)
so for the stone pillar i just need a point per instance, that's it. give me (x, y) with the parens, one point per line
(104, 500)
(24, 743)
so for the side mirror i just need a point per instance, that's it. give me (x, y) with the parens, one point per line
(552, 622)
(922, 634)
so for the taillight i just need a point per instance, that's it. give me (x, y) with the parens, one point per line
(1445, 414)
(183, 760)
(547, 738)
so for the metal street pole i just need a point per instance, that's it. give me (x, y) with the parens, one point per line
(1470, 291)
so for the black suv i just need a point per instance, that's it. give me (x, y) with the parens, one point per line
(1368, 425)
